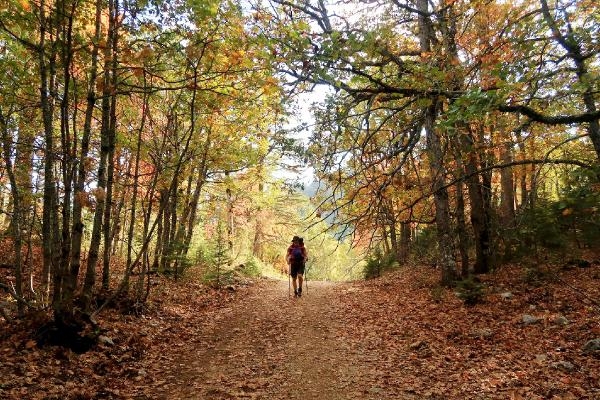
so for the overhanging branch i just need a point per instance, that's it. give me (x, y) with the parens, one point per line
(551, 120)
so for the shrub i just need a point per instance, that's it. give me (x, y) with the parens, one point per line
(470, 291)
(577, 210)
(218, 277)
(252, 267)
(437, 293)
(424, 247)
(377, 263)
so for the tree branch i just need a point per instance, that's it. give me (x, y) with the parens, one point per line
(551, 120)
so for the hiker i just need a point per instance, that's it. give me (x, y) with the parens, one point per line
(296, 258)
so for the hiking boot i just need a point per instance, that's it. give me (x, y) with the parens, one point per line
(299, 292)
(296, 293)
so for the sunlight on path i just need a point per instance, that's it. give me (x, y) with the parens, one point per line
(269, 346)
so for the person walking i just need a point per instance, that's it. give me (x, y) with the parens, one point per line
(296, 258)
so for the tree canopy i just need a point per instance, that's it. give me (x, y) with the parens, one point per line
(145, 135)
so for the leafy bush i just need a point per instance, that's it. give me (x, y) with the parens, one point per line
(535, 275)
(539, 227)
(252, 267)
(572, 221)
(470, 291)
(578, 210)
(424, 247)
(218, 277)
(377, 263)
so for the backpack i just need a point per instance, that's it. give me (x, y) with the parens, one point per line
(297, 255)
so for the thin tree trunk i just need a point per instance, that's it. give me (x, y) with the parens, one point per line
(67, 159)
(17, 212)
(229, 214)
(393, 233)
(23, 166)
(107, 94)
(80, 195)
(405, 238)
(461, 231)
(166, 226)
(134, 193)
(566, 38)
(523, 175)
(172, 221)
(119, 220)
(49, 212)
(507, 184)
(112, 137)
(385, 239)
(201, 179)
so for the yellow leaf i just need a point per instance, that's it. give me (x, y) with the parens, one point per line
(25, 5)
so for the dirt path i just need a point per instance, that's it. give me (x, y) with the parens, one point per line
(266, 345)
(397, 337)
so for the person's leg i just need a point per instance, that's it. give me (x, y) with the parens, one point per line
(294, 273)
(300, 277)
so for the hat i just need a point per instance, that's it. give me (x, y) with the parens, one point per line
(295, 239)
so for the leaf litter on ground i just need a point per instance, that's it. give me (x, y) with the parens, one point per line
(399, 336)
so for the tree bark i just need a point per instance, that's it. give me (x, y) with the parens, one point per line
(575, 53)
(405, 238)
(112, 137)
(67, 150)
(50, 240)
(229, 213)
(80, 196)
(17, 212)
(479, 222)
(507, 184)
(100, 194)
(437, 169)
(461, 230)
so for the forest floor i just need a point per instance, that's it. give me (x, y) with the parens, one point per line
(396, 337)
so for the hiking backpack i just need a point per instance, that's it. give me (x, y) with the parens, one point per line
(297, 255)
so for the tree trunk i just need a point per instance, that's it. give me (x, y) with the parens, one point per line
(79, 189)
(166, 226)
(191, 219)
(134, 190)
(23, 165)
(434, 148)
(17, 212)
(67, 151)
(523, 175)
(229, 214)
(257, 248)
(100, 193)
(112, 137)
(479, 222)
(575, 53)
(50, 240)
(461, 231)
(507, 184)
(385, 239)
(405, 237)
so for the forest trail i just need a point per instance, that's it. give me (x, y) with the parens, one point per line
(400, 336)
(397, 337)
(267, 345)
